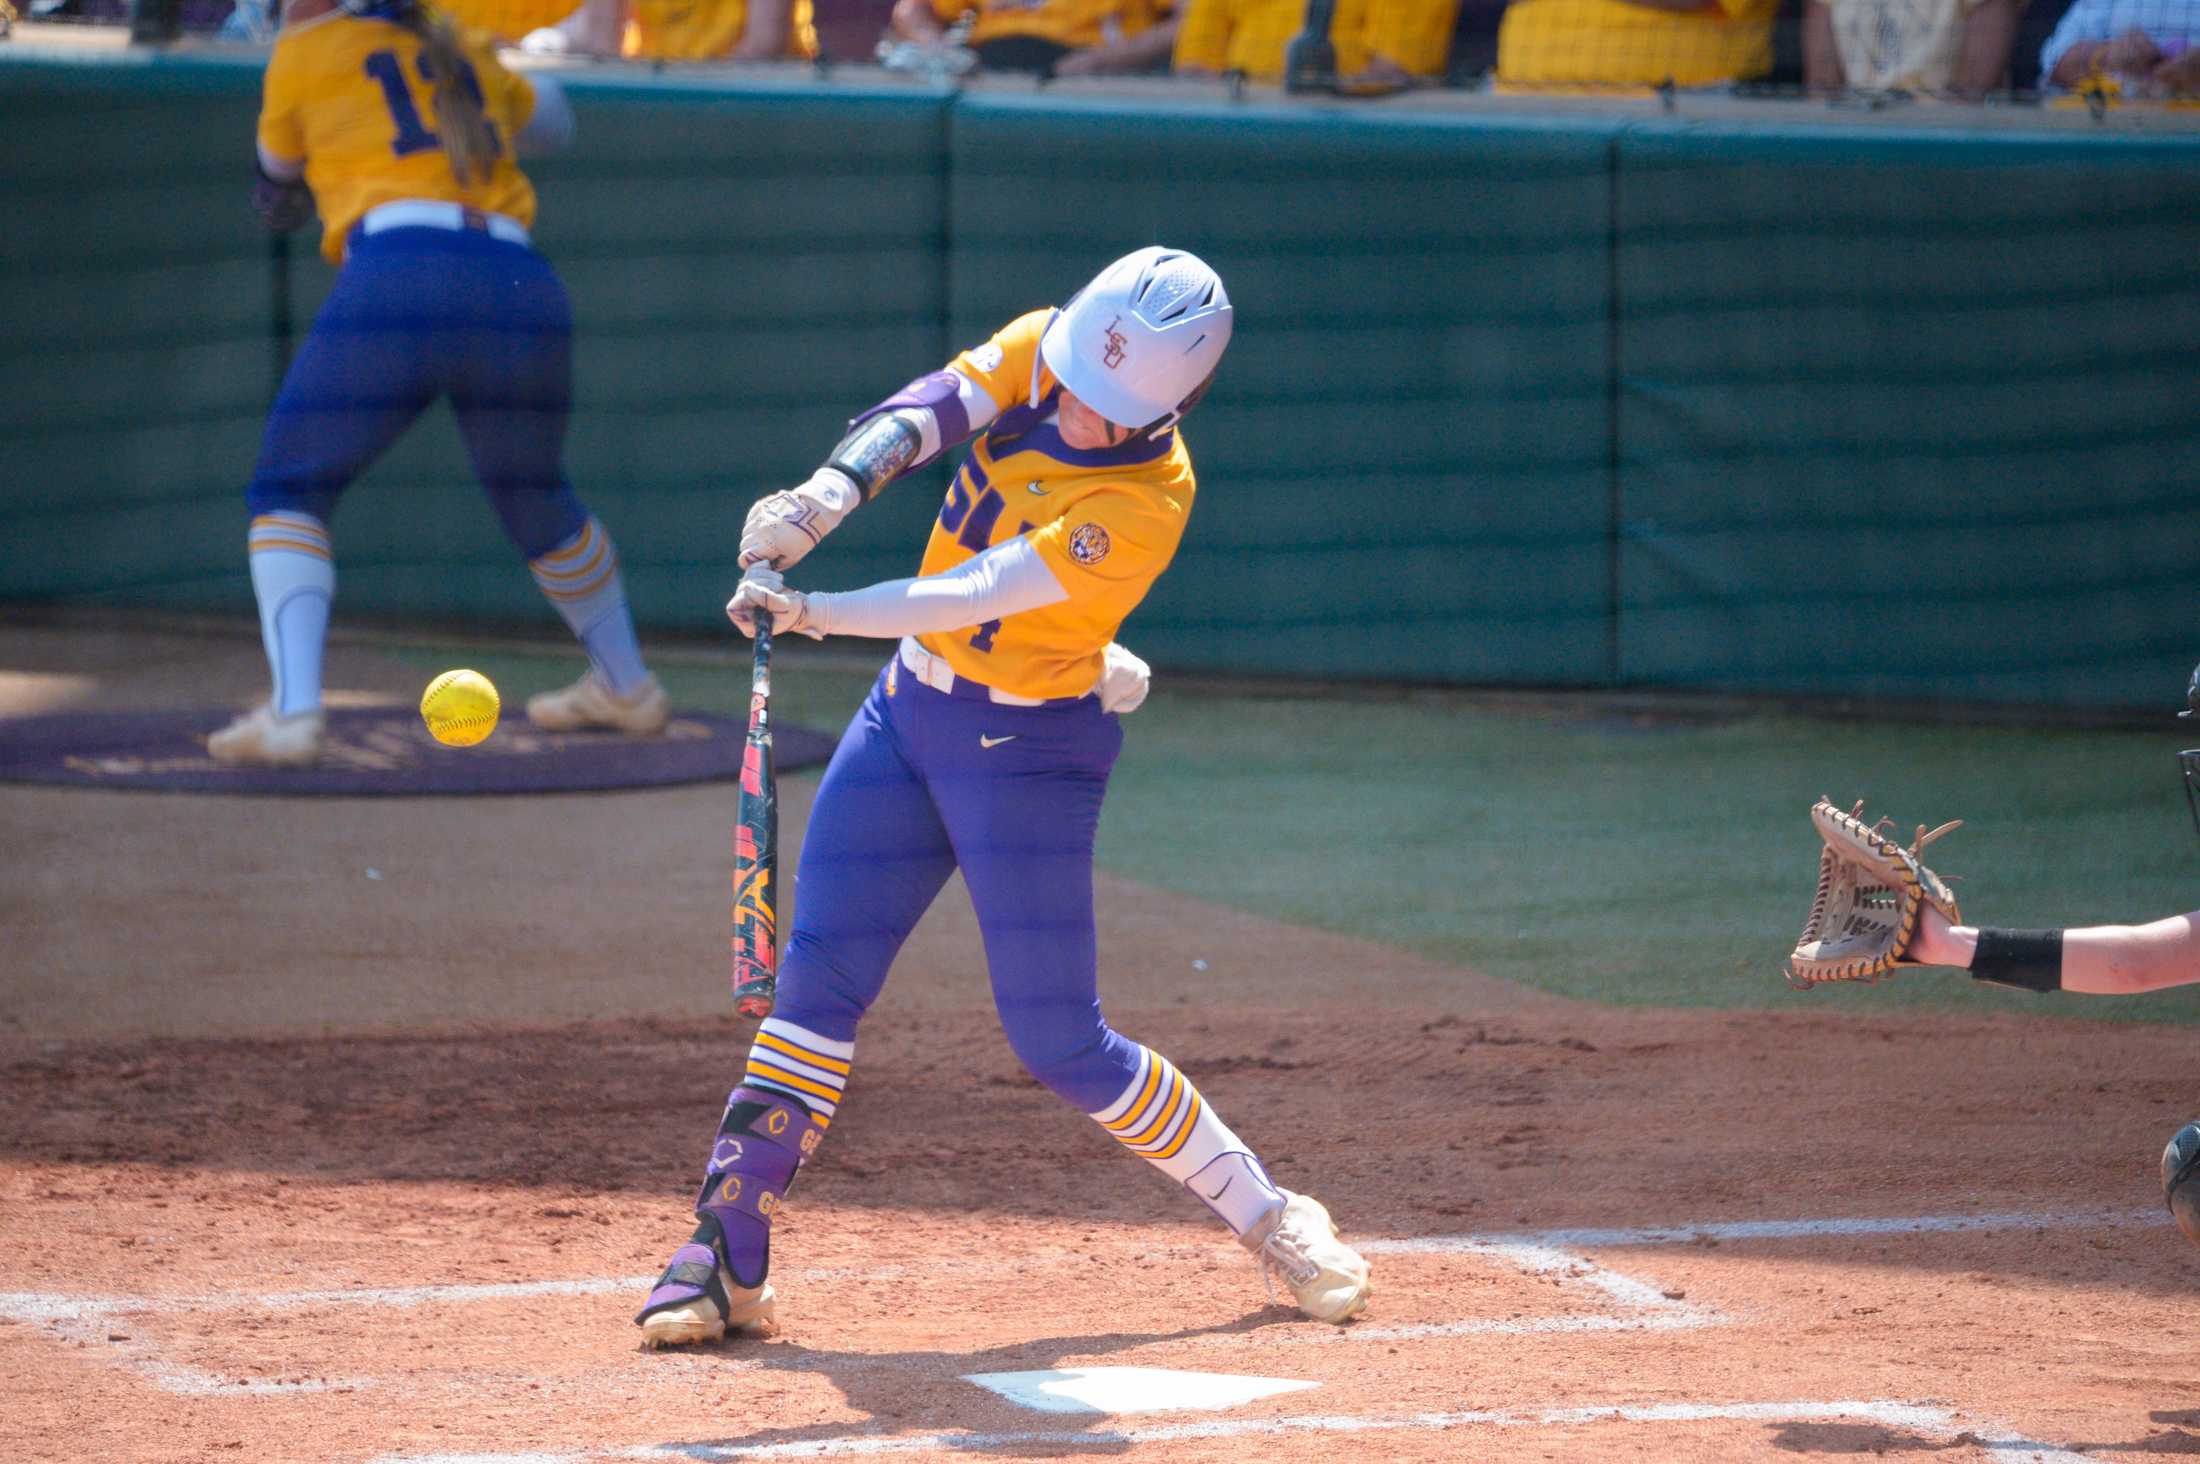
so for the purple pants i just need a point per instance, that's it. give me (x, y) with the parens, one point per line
(924, 783)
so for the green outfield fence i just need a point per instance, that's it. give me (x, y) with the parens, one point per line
(1587, 394)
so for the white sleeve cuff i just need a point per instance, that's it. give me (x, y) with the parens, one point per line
(280, 168)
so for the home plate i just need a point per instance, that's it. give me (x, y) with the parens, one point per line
(1129, 1389)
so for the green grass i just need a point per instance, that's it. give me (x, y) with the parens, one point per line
(1589, 855)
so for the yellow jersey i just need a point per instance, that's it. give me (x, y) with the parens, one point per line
(346, 94)
(1075, 24)
(1106, 521)
(1414, 33)
(707, 30)
(1615, 43)
(1250, 35)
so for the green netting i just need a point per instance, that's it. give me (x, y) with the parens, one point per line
(1908, 416)
(1517, 397)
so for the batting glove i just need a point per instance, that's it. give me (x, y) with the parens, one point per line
(1124, 680)
(764, 590)
(783, 527)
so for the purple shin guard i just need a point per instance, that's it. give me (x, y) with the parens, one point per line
(762, 1141)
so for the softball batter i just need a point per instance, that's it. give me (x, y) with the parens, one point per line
(985, 746)
(404, 134)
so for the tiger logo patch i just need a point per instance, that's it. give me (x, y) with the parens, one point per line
(1089, 544)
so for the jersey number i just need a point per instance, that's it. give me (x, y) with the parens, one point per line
(413, 135)
(975, 520)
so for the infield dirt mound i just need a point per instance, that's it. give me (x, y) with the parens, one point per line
(260, 1106)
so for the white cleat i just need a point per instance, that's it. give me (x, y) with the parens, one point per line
(1326, 1277)
(259, 738)
(700, 1320)
(588, 702)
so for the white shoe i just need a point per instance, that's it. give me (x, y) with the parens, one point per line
(1326, 1277)
(259, 738)
(588, 702)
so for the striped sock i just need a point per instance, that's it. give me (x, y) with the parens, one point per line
(1161, 1118)
(294, 581)
(799, 1063)
(581, 578)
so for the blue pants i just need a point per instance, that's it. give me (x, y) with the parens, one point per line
(418, 314)
(911, 795)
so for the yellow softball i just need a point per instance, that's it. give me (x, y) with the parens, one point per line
(460, 708)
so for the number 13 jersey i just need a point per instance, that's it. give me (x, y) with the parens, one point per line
(350, 96)
(1106, 521)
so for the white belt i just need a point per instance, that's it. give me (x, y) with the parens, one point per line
(423, 213)
(937, 674)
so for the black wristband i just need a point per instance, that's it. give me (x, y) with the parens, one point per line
(2030, 960)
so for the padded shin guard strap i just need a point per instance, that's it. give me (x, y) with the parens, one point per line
(694, 1272)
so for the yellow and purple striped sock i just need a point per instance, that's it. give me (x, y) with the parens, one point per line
(1162, 1119)
(799, 1063)
(580, 577)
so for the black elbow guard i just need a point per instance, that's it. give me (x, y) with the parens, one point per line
(877, 450)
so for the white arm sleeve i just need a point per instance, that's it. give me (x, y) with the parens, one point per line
(1006, 580)
(551, 126)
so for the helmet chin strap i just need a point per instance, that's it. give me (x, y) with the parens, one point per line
(1038, 358)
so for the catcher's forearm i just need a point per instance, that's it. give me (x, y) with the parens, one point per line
(2030, 960)
(2096, 960)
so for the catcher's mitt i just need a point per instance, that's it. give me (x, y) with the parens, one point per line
(1871, 894)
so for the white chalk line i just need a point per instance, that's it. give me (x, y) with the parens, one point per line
(1591, 1239)
(1542, 1251)
(1934, 1422)
(1635, 1305)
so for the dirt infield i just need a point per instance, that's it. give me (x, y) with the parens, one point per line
(302, 1164)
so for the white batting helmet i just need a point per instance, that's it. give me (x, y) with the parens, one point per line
(1139, 344)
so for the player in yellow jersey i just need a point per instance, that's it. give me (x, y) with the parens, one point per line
(405, 134)
(985, 747)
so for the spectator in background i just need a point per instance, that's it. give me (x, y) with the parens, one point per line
(1053, 37)
(682, 30)
(2147, 47)
(1956, 48)
(1379, 43)
(1592, 43)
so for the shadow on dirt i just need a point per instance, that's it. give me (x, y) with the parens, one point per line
(882, 1386)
